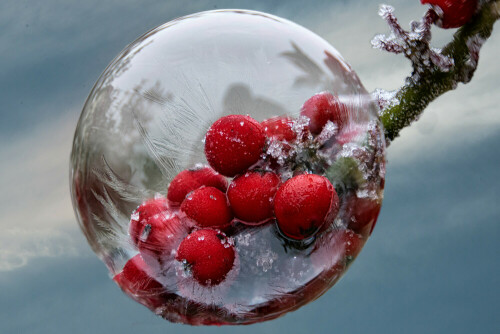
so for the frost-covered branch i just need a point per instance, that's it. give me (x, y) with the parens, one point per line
(434, 71)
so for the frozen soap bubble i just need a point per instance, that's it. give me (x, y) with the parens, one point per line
(227, 167)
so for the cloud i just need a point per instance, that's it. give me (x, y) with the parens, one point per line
(21, 245)
(36, 216)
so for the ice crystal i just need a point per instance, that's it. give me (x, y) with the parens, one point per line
(414, 44)
(384, 98)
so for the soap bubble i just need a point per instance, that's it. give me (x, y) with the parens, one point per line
(146, 120)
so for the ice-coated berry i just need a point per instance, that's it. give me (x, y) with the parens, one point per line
(160, 237)
(251, 196)
(324, 107)
(303, 204)
(350, 134)
(142, 214)
(364, 213)
(208, 207)
(234, 143)
(135, 280)
(279, 128)
(192, 179)
(208, 255)
(453, 13)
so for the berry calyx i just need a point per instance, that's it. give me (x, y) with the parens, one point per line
(251, 196)
(142, 214)
(453, 13)
(208, 255)
(279, 128)
(135, 281)
(208, 207)
(234, 143)
(324, 107)
(192, 179)
(303, 204)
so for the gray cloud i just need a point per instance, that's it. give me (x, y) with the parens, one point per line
(21, 245)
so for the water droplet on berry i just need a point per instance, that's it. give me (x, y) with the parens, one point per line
(146, 121)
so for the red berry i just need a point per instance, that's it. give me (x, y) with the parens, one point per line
(142, 214)
(364, 212)
(279, 128)
(350, 134)
(251, 196)
(208, 255)
(191, 179)
(234, 143)
(324, 107)
(208, 207)
(303, 204)
(136, 282)
(453, 13)
(160, 237)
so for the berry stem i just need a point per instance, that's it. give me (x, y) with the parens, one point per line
(430, 82)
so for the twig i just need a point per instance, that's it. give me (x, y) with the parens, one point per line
(434, 71)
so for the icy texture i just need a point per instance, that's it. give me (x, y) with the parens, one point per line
(145, 121)
(414, 44)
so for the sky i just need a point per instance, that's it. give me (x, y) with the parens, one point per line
(430, 266)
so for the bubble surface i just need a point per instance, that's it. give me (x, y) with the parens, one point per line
(146, 120)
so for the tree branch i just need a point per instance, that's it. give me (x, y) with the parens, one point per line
(428, 82)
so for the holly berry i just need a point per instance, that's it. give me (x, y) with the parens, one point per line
(453, 13)
(192, 179)
(234, 143)
(136, 282)
(303, 204)
(279, 128)
(142, 214)
(364, 213)
(251, 196)
(324, 107)
(208, 255)
(208, 207)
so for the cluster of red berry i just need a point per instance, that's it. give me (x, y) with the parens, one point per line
(193, 224)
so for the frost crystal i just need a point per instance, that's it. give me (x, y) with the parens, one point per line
(384, 98)
(300, 126)
(266, 260)
(474, 45)
(243, 239)
(276, 150)
(329, 130)
(414, 44)
(135, 216)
